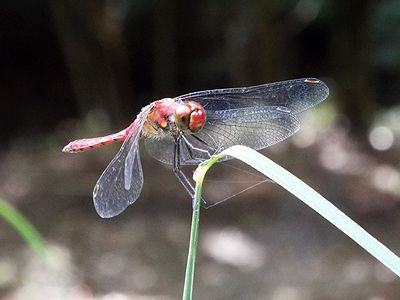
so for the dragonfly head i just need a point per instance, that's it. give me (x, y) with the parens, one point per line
(189, 116)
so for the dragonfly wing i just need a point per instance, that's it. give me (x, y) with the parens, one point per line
(297, 95)
(161, 149)
(121, 182)
(258, 128)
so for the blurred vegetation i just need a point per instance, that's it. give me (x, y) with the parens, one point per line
(62, 59)
(23, 227)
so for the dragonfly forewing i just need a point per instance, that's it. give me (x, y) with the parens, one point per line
(297, 95)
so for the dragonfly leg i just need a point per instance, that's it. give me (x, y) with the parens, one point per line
(178, 172)
(204, 143)
(190, 151)
(190, 146)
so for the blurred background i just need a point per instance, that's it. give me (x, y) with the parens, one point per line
(72, 69)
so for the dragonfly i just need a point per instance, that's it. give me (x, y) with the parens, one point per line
(188, 129)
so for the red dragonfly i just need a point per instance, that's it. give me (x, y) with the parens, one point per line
(188, 129)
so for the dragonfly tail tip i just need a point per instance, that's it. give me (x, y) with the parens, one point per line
(67, 149)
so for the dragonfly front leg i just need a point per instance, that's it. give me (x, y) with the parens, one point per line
(192, 150)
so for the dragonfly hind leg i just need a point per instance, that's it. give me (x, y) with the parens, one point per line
(183, 179)
(178, 172)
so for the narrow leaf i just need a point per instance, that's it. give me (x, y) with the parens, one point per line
(24, 228)
(310, 197)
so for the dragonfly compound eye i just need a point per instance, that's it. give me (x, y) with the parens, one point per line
(182, 116)
(197, 116)
(190, 116)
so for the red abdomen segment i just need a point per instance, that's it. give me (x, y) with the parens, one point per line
(90, 143)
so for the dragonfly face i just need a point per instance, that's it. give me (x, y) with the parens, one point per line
(189, 116)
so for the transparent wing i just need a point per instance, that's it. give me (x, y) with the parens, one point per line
(121, 182)
(296, 95)
(256, 127)
(161, 149)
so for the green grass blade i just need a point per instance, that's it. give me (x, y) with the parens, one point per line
(310, 197)
(298, 188)
(24, 228)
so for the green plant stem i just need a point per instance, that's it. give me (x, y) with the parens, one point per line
(24, 228)
(297, 188)
(194, 236)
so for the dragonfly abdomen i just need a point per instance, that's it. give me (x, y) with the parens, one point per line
(83, 145)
